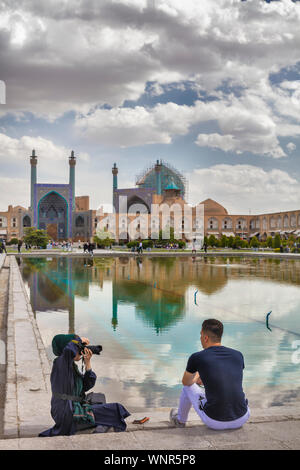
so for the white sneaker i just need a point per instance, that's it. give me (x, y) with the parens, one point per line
(174, 419)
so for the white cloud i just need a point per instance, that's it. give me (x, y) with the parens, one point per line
(53, 166)
(291, 147)
(240, 188)
(75, 55)
(125, 127)
(18, 149)
(246, 125)
(15, 192)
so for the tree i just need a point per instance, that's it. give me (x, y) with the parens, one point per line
(103, 242)
(254, 242)
(224, 241)
(237, 242)
(212, 241)
(13, 241)
(269, 242)
(277, 241)
(36, 237)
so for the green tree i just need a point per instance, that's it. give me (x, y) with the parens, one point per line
(237, 242)
(36, 237)
(212, 241)
(269, 242)
(13, 241)
(244, 244)
(230, 241)
(254, 242)
(224, 241)
(277, 241)
(103, 242)
(291, 241)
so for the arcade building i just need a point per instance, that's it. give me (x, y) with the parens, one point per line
(162, 184)
(67, 217)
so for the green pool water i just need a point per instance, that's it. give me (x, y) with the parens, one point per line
(147, 315)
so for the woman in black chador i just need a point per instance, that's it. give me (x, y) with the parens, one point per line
(68, 408)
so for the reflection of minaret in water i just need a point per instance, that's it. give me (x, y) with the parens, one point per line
(114, 320)
(71, 299)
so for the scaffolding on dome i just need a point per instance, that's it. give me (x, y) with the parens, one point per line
(147, 176)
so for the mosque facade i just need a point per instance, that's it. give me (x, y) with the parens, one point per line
(67, 217)
(53, 207)
(162, 184)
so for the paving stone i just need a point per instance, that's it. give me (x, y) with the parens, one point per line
(174, 438)
(46, 443)
(9, 444)
(285, 431)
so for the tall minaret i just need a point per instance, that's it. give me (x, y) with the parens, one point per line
(33, 164)
(115, 176)
(158, 176)
(115, 182)
(72, 163)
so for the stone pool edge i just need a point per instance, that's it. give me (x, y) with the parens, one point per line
(28, 368)
(150, 254)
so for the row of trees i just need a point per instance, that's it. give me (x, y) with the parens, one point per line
(103, 239)
(237, 242)
(39, 238)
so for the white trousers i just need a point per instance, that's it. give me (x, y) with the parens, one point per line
(193, 395)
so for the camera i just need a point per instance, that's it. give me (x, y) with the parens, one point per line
(95, 349)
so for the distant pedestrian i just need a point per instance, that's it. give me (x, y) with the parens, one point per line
(140, 247)
(20, 243)
(194, 246)
(205, 247)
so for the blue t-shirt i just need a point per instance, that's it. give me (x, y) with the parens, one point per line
(221, 371)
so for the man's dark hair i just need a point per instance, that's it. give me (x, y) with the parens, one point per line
(213, 329)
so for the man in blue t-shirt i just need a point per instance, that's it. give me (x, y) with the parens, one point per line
(221, 404)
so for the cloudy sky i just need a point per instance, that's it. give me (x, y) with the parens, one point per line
(211, 87)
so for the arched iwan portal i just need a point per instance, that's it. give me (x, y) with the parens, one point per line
(53, 216)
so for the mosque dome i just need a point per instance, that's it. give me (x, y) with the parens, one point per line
(212, 207)
(171, 178)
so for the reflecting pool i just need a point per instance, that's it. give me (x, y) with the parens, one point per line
(147, 314)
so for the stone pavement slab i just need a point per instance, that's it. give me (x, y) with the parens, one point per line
(253, 436)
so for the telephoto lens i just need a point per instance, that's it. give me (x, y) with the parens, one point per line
(95, 349)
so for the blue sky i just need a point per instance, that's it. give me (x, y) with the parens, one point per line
(213, 91)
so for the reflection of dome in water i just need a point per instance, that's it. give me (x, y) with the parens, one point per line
(211, 280)
(49, 291)
(212, 207)
(156, 308)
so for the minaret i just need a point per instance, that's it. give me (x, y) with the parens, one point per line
(115, 176)
(158, 176)
(115, 182)
(72, 163)
(33, 164)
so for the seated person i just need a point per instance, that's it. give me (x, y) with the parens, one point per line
(68, 409)
(221, 404)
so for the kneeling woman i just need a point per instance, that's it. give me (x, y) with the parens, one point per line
(68, 384)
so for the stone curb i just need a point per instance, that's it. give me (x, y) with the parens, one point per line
(105, 253)
(28, 368)
(2, 260)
